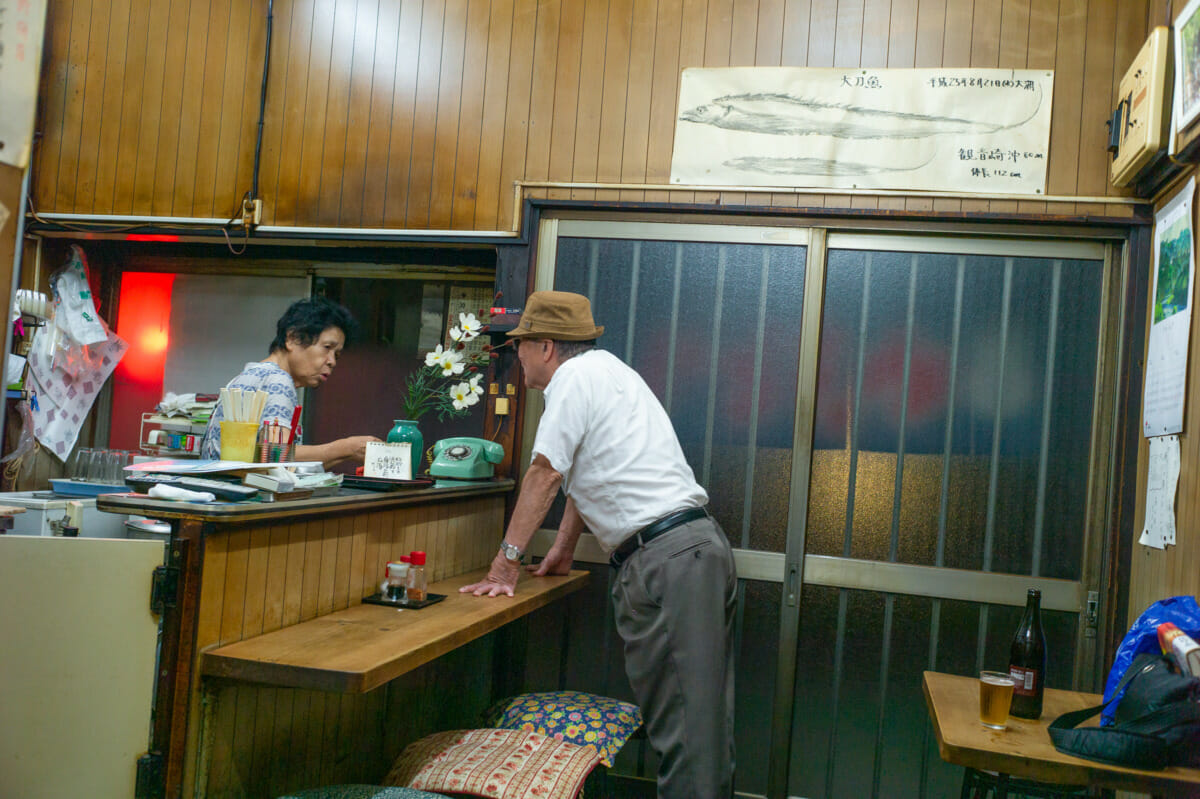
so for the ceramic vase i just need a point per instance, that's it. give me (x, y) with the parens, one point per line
(407, 430)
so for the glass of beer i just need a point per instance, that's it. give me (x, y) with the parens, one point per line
(995, 697)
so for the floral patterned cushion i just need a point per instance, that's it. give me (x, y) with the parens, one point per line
(497, 764)
(361, 792)
(574, 716)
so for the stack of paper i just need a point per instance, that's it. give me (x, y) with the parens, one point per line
(279, 483)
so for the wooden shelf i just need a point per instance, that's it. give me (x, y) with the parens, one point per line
(355, 650)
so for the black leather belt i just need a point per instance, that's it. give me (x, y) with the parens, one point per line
(652, 531)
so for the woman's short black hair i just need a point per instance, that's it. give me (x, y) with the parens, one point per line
(308, 319)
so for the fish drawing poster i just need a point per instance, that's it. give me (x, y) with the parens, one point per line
(983, 131)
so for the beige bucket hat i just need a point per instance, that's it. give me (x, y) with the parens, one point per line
(558, 315)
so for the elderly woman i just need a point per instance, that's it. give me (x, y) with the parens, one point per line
(308, 339)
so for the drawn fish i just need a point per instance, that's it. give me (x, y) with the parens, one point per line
(782, 114)
(825, 167)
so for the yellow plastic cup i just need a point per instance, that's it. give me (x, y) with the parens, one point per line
(238, 440)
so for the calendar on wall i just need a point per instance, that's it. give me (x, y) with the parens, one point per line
(470, 300)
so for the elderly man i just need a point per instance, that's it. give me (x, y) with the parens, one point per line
(605, 439)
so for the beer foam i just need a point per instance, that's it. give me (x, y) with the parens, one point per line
(997, 679)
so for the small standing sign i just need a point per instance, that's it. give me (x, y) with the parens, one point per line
(390, 460)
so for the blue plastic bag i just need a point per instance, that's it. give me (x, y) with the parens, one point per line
(1182, 611)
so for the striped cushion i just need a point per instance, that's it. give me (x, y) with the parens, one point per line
(497, 764)
(360, 792)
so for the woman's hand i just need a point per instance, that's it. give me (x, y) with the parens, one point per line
(342, 449)
(355, 447)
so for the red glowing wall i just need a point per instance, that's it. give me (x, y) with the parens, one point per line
(143, 319)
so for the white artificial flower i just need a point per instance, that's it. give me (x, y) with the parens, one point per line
(470, 325)
(434, 357)
(475, 387)
(451, 363)
(463, 396)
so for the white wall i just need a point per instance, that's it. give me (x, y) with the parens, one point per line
(220, 323)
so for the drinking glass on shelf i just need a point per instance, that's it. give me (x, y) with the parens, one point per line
(114, 465)
(126, 460)
(96, 467)
(81, 463)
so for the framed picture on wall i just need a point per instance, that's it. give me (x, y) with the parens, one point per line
(1187, 63)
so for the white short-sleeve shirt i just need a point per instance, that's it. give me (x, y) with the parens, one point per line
(609, 437)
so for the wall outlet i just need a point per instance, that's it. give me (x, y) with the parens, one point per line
(502, 406)
(251, 212)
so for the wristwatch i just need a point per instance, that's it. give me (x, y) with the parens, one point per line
(511, 552)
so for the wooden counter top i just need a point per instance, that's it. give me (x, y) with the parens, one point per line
(363, 647)
(346, 500)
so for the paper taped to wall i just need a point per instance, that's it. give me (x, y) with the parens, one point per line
(22, 28)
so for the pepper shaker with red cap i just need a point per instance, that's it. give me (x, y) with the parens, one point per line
(415, 589)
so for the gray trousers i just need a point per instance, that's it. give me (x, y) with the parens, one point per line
(674, 601)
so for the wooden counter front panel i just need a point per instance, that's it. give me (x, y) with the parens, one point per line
(259, 579)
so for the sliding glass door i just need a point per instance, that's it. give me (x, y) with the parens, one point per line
(899, 433)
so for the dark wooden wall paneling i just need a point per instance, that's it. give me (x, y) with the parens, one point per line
(1157, 574)
(422, 113)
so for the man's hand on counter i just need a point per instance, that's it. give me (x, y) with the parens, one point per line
(557, 561)
(501, 579)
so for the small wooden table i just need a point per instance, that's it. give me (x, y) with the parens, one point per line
(364, 646)
(1024, 749)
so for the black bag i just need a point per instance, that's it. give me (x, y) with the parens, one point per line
(1156, 723)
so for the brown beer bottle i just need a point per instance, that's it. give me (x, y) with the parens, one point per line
(1027, 660)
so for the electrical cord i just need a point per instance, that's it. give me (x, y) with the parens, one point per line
(236, 219)
(262, 99)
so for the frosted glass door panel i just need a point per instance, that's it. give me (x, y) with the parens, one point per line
(954, 411)
(713, 328)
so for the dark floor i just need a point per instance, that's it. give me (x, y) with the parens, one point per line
(602, 785)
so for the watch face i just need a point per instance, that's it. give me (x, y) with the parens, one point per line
(510, 551)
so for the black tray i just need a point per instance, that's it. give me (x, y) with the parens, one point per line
(380, 599)
(383, 483)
